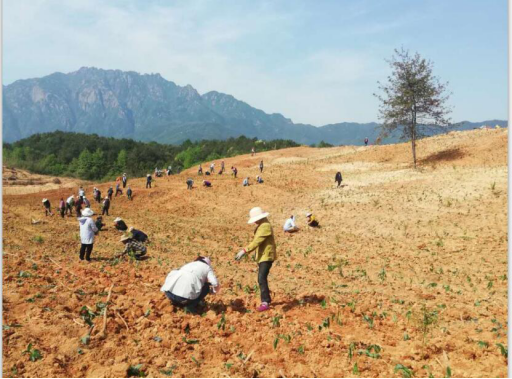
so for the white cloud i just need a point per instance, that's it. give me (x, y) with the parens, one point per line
(257, 51)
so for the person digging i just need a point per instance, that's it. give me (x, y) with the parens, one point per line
(133, 248)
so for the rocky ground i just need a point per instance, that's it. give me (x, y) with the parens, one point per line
(406, 276)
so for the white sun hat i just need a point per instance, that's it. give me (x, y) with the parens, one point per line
(309, 214)
(45, 199)
(87, 212)
(256, 214)
(118, 219)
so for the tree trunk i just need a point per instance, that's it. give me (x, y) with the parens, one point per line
(413, 142)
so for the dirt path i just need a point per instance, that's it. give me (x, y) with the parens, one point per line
(408, 268)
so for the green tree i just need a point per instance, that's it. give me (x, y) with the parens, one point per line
(121, 162)
(413, 100)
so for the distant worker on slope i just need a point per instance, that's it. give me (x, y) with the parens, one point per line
(87, 231)
(212, 167)
(338, 178)
(81, 191)
(129, 193)
(311, 220)
(120, 224)
(253, 152)
(110, 192)
(261, 166)
(149, 179)
(78, 207)
(190, 183)
(289, 225)
(245, 183)
(125, 180)
(188, 286)
(200, 170)
(118, 189)
(234, 171)
(265, 246)
(259, 179)
(366, 141)
(105, 206)
(70, 203)
(62, 207)
(97, 195)
(207, 183)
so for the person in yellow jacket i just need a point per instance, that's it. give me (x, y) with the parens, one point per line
(265, 246)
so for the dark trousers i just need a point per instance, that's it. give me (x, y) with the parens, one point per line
(263, 270)
(129, 196)
(78, 212)
(86, 250)
(261, 169)
(105, 211)
(148, 184)
(182, 302)
(62, 212)
(189, 185)
(110, 196)
(124, 184)
(47, 211)
(69, 209)
(339, 182)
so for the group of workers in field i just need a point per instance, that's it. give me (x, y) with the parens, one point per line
(188, 286)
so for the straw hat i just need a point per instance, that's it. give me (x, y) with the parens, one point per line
(124, 237)
(45, 200)
(118, 219)
(256, 214)
(87, 212)
(309, 214)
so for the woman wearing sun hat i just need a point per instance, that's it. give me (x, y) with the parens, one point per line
(265, 246)
(87, 230)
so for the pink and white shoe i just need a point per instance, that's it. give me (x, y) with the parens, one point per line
(263, 307)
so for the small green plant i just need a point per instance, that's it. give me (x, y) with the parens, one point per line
(228, 365)
(355, 369)
(368, 351)
(448, 372)
(24, 274)
(483, 344)
(169, 371)
(351, 349)
(276, 321)
(136, 371)
(38, 239)
(382, 275)
(300, 349)
(190, 342)
(369, 321)
(222, 323)
(405, 371)
(33, 354)
(87, 315)
(503, 350)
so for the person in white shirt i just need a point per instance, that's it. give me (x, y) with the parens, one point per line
(87, 230)
(189, 285)
(70, 203)
(289, 225)
(245, 183)
(81, 192)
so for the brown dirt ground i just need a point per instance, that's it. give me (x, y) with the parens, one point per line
(396, 245)
(17, 182)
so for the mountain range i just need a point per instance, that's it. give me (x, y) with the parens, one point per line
(147, 107)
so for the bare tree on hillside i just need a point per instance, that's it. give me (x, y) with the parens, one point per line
(413, 99)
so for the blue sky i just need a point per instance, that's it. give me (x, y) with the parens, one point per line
(315, 62)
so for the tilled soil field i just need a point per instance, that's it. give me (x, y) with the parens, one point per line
(407, 274)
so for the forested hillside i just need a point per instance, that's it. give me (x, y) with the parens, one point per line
(92, 157)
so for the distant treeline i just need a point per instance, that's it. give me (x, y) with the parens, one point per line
(91, 157)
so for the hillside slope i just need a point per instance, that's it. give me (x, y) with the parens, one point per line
(396, 247)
